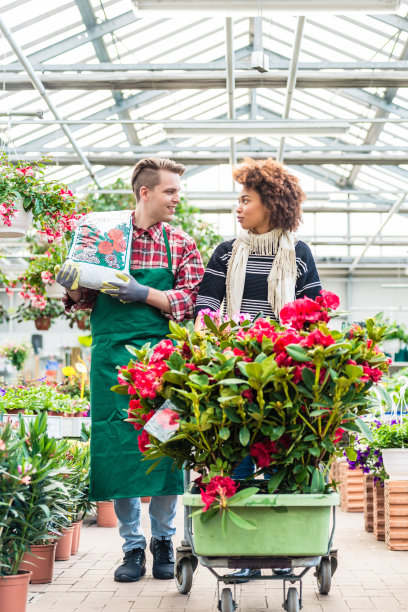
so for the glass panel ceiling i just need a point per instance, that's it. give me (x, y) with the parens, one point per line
(57, 41)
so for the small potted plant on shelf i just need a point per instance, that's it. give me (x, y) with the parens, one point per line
(26, 196)
(43, 317)
(283, 394)
(16, 353)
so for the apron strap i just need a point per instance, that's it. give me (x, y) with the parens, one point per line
(166, 240)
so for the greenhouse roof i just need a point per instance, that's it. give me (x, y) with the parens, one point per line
(110, 81)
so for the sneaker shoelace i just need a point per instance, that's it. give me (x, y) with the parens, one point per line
(163, 551)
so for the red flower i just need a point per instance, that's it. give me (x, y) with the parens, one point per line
(135, 404)
(163, 350)
(119, 245)
(220, 487)
(191, 366)
(105, 247)
(143, 441)
(260, 329)
(262, 451)
(327, 299)
(115, 235)
(317, 337)
(338, 434)
(373, 374)
(248, 394)
(298, 313)
(284, 339)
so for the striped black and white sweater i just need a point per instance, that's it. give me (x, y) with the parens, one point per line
(255, 298)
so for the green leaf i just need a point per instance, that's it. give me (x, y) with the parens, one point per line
(317, 485)
(240, 521)
(308, 378)
(351, 453)
(253, 370)
(244, 436)
(275, 481)
(243, 495)
(224, 523)
(315, 451)
(297, 352)
(199, 379)
(232, 415)
(232, 381)
(209, 514)
(155, 464)
(210, 324)
(224, 433)
(121, 389)
(364, 428)
(354, 372)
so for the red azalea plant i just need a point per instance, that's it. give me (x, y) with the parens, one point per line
(282, 393)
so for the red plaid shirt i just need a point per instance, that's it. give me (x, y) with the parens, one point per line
(149, 251)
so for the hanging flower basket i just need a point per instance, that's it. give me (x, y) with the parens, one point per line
(26, 196)
(396, 462)
(55, 290)
(14, 220)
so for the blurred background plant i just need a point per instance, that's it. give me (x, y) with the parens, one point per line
(16, 353)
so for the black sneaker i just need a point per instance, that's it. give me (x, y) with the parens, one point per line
(133, 566)
(281, 571)
(245, 574)
(163, 558)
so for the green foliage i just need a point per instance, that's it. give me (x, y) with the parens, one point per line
(285, 397)
(39, 398)
(16, 353)
(53, 309)
(389, 435)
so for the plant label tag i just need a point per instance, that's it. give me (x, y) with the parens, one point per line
(164, 423)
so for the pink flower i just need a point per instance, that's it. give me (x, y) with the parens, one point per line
(47, 277)
(66, 194)
(338, 434)
(327, 299)
(163, 350)
(2, 445)
(301, 312)
(28, 171)
(317, 337)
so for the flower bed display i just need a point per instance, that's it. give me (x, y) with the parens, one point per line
(283, 394)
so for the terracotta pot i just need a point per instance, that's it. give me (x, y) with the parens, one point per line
(146, 500)
(40, 562)
(369, 502)
(105, 514)
(64, 545)
(14, 591)
(42, 323)
(81, 323)
(76, 536)
(15, 411)
(54, 413)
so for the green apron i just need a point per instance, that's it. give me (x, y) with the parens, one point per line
(117, 469)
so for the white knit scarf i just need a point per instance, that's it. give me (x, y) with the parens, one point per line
(282, 277)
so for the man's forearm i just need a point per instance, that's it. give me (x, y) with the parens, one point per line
(159, 300)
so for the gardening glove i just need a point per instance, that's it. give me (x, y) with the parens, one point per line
(127, 289)
(68, 275)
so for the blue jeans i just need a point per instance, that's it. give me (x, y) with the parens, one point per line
(162, 510)
(245, 469)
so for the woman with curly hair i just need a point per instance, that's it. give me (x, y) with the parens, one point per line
(265, 266)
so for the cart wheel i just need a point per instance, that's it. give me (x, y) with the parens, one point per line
(184, 576)
(324, 576)
(292, 603)
(227, 604)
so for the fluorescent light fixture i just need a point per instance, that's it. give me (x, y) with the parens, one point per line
(181, 129)
(253, 8)
(395, 285)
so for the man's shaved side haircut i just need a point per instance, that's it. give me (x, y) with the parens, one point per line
(146, 173)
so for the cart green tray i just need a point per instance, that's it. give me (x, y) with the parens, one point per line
(287, 525)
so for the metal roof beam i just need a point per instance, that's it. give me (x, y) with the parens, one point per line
(211, 159)
(89, 19)
(207, 80)
(372, 239)
(194, 66)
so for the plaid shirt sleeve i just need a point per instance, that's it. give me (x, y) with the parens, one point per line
(190, 271)
(87, 301)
